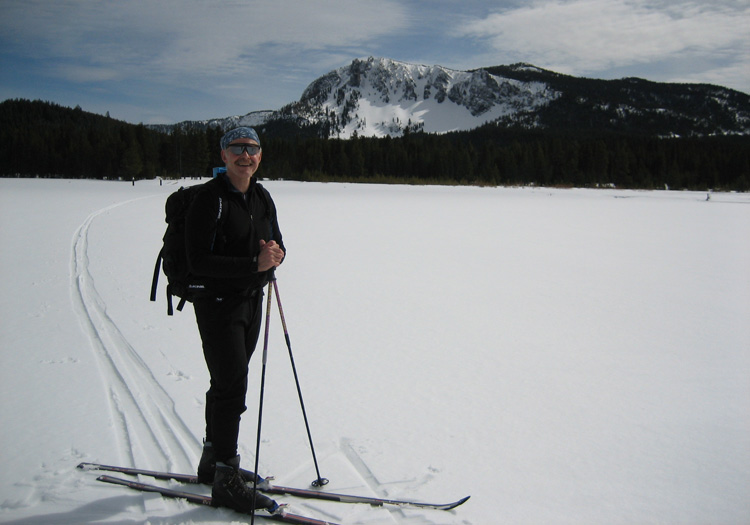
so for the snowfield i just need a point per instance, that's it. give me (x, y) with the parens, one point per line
(562, 356)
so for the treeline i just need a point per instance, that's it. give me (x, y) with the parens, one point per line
(42, 139)
(501, 157)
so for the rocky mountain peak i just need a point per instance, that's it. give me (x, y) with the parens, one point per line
(380, 96)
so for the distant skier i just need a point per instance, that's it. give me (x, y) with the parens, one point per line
(233, 257)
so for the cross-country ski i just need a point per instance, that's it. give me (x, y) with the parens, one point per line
(282, 515)
(265, 485)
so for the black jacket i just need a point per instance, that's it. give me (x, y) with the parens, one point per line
(223, 229)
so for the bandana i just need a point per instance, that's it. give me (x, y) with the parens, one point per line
(239, 133)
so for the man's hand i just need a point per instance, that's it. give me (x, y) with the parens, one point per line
(270, 256)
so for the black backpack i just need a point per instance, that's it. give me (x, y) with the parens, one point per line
(173, 254)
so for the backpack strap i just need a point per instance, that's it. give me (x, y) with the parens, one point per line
(266, 197)
(180, 305)
(155, 279)
(170, 310)
(218, 222)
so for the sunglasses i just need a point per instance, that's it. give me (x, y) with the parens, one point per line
(237, 149)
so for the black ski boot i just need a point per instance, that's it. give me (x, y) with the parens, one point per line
(207, 468)
(207, 465)
(230, 490)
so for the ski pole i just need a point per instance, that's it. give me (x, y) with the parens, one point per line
(260, 408)
(320, 481)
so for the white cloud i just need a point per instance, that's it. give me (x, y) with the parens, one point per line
(194, 37)
(584, 36)
(84, 74)
(205, 55)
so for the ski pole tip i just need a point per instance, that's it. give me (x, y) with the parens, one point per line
(320, 482)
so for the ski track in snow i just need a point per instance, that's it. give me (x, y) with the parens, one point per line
(401, 515)
(368, 476)
(148, 430)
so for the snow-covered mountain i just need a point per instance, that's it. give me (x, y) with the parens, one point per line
(252, 119)
(375, 97)
(379, 96)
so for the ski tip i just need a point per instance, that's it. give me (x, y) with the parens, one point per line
(84, 466)
(459, 502)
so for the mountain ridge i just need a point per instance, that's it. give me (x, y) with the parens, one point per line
(377, 97)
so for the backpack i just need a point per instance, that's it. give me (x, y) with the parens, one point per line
(173, 254)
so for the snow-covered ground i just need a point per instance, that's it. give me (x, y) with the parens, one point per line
(563, 356)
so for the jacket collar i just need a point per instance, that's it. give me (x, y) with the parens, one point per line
(230, 187)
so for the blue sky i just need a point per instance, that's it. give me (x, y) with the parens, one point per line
(164, 61)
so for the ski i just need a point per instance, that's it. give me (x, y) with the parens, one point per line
(348, 498)
(264, 485)
(283, 516)
(183, 478)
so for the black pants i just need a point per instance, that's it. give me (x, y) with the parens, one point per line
(229, 329)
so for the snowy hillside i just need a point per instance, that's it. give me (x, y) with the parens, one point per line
(562, 356)
(379, 97)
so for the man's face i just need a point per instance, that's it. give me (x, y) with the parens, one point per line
(242, 165)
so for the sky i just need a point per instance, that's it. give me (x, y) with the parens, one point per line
(166, 61)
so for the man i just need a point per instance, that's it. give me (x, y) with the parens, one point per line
(233, 246)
